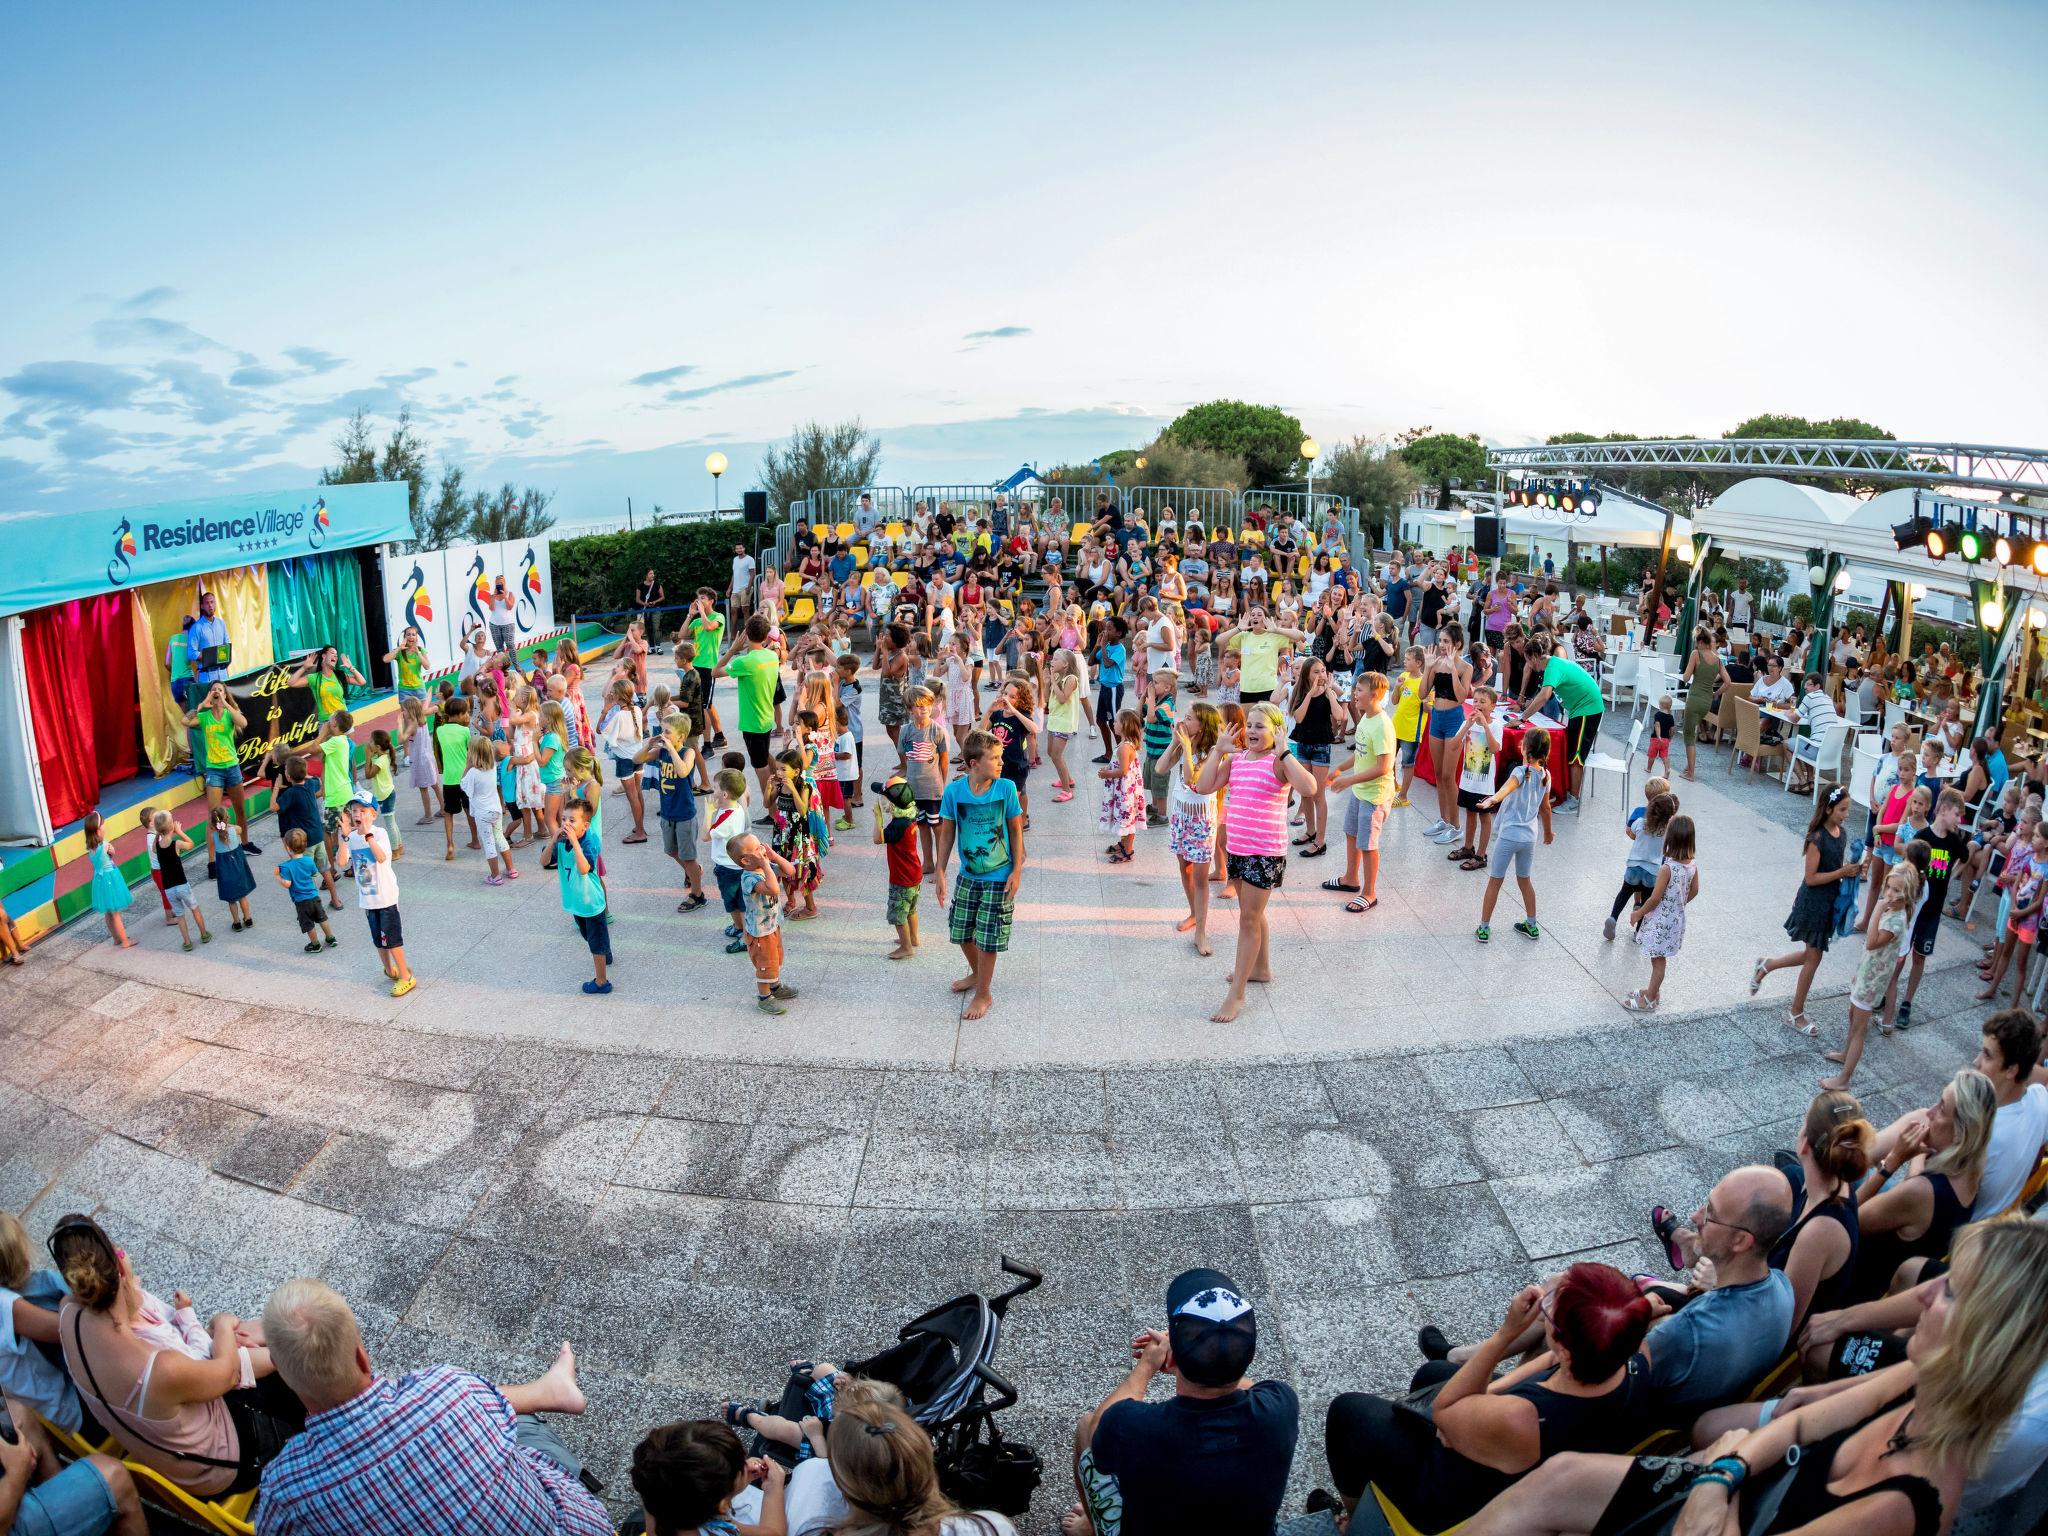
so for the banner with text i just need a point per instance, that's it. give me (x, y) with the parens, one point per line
(446, 594)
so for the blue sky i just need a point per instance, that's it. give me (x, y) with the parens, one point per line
(586, 244)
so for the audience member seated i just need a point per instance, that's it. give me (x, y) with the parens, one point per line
(31, 1365)
(1215, 1455)
(697, 1477)
(1488, 1431)
(438, 1450)
(40, 1496)
(1891, 1454)
(1818, 1251)
(199, 1406)
(2010, 1057)
(1924, 1183)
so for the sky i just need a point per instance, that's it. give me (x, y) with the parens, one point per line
(587, 244)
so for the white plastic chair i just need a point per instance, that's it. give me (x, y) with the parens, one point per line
(1652, 682)
(1862, 768)
(1598, 762)
(1622, 674)
(1823, 754)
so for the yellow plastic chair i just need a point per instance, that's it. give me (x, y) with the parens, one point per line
(867, 579)
(2036, 1182)
(895, 532)
(792, 584)
(860, 557)
(1399, 1523)
(1079, 532)
(821, 531)
(901, 578)
(230, 1515)
(844, 531)
(801, 612)
(1303, 566)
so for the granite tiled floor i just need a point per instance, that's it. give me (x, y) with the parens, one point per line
(691, 1223)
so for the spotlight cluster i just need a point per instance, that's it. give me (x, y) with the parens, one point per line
(1566, 498)
(1972, 545)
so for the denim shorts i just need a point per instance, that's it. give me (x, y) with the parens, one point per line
(1364, 821)
(224, 778)
(1314, 753)
(1445, 721)
(76, 1502)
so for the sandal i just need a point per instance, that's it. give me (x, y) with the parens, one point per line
(1315, 852)
(1756, 977)
(1639, 1002)
(1467, 852)
(1799, 1022)
(1361, 903)
(1665, 1224)
(1339, 885)
(1061, 797)
(633, 837)
(1475, 862)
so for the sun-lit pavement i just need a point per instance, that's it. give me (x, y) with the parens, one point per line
(1404, 1127)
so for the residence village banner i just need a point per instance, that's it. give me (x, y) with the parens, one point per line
(53, 558)
(446, 594)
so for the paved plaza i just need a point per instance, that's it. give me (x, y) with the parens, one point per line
(1401, 1129)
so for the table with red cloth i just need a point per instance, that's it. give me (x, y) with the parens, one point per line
(1510, 754)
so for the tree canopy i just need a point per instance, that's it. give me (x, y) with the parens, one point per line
(452, 515)
(1267, 438)
(816, 458)
(1444, 457)
(1372, 477)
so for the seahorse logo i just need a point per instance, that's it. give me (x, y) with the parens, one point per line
(479, 596)
(124, 546)
(529, 589)
(316, 530)
(419, 608)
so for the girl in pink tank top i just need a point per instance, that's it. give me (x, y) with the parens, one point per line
(1254, 835)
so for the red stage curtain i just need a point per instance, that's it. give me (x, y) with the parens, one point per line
(80, 660)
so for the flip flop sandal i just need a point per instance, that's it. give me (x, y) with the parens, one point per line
(1361, 904)
(634, 838)
(1665, 1224)
(1339, 885)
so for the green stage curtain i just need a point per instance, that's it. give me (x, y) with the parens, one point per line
(315, 601)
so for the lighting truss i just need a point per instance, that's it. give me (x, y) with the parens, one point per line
(2006, 469)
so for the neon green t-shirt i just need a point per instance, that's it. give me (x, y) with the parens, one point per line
(1259, 656)
(451, 743)
(755, 671)
(327, 695)
(1374, 739)
(411, 669)
(336, 782)
(217, 736)
(708, 633)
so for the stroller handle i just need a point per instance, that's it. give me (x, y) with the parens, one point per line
(1030, 1278)
(1006, 1395)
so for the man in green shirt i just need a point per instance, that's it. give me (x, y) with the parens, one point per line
(1370, 778)
(219, 761)
(706, 628)
(1574, 687)
(756, 667)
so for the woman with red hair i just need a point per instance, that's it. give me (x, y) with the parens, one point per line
(1486, 1432)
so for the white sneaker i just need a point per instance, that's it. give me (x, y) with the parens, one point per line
(1436, 825)
(1447, 836)
(1607, 929)
(1571, 803)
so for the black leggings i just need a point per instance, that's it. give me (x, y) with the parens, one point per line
(1642, 894)
(1371, 1440)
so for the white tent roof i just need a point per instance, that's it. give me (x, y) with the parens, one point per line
(1775, 518)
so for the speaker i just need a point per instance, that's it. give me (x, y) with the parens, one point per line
(755, 504)
(1486, 537)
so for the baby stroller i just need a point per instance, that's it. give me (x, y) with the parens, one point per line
(944, 1364)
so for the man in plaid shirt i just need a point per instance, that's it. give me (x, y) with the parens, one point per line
(439, 1450)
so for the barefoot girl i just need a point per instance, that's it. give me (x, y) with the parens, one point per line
(1063, 718)
(1123, 791)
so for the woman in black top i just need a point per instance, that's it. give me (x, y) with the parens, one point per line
(1486, 1433)
(1314, 718)
(1887, 1454)
(1432, 614)
(1921, 1192)
(1818, 1251)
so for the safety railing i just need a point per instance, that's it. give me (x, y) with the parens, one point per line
(837, 506)
(1214, 510)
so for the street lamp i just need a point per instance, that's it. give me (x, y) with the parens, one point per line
(1309, 449)
(715, 462)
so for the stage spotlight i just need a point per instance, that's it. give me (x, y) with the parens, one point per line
(2035, 555)
(1570, 503)
(1937, 544)
(2001, 550)
(1912, 533)
(1970, 545)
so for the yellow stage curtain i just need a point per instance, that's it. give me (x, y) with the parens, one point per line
(242, 597)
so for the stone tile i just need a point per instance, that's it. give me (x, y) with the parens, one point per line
(615, 1085)
(538, 1069)
(727, 1092)
(1560, 1065)
(345, 1173)
(1259, 1097)
(648, 1232)
(273, 1153)
(382, 1263)
(931, 1100)
(483, 1293)
(1174, 1169)
(1476, 1079)
(841, 1098)
(1450, 1231)
(1312, 1162)
(1161, 1098)
(1518, 1139)
(807, 1165)
(1051, 1171)
(912, 1260)
(716, 1338)
(924, 1169)
(1427, 1151)
(772, 1245)
(1070, 1102)
(686, 1157)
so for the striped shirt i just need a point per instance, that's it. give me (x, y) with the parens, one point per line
(433, 1451)
(1255, 811)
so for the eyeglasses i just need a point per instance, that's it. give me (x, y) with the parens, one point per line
(1709, 1219)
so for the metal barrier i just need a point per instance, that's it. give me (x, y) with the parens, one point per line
(969, 502)
(841, 504)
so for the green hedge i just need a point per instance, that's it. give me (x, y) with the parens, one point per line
(600, 572)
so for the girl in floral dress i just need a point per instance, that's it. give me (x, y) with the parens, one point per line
(1660, 921)
(794, 839)
(1123, 788)
(528, 793)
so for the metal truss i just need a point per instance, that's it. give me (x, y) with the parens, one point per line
(2002, 469)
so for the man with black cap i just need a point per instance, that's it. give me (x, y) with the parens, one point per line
(1214, 1456)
